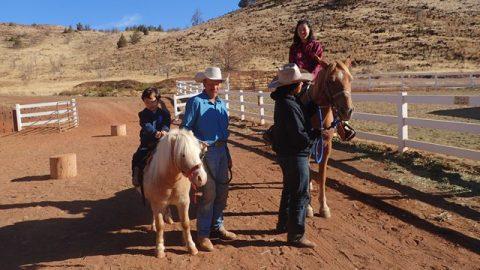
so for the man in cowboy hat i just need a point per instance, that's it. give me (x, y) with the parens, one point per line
(206, 115)
(292, 139)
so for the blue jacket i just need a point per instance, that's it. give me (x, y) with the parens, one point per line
(208, 120)
(151, 122)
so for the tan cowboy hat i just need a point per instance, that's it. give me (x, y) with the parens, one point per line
(212, 73)
(289, 74)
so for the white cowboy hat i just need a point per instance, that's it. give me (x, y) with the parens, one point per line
(289, 74)
(212, 73)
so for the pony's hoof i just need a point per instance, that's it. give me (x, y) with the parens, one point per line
(160, 254)
(193, 250)
(325, 213)
(310, 213)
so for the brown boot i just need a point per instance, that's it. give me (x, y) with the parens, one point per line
(303, 242)
(205, 244)
(223, 234)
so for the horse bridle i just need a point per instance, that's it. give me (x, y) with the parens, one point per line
(328, 92)
(192, 170)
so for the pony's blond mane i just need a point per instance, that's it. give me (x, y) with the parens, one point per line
(176, 142)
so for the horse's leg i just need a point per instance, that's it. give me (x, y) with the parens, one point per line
(187, 236)
(322, 167)
(160, 225)
(322, 198)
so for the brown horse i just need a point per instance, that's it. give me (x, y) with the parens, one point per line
(332, 93)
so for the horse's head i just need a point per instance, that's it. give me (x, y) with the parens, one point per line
(187, 155)
(337, 87)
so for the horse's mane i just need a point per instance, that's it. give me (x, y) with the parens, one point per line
(344, 68)
(176, 142)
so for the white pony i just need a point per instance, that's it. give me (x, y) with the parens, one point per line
(175, 166)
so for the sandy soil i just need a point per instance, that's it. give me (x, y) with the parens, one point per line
(96, 221)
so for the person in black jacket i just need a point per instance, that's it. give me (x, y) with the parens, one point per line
(292, 140)
(155, 123)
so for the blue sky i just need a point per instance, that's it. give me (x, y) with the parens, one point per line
(110, 13)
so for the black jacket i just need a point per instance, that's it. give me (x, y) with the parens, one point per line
(151, 122)
(292, 134)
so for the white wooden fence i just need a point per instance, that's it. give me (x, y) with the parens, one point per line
(405, 81)
(402, 120)
(188, 87)
(59, 114)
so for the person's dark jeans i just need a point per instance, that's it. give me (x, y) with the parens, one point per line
(295, 195)
(139, 159)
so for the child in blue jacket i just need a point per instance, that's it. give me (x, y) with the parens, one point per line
(155, 123)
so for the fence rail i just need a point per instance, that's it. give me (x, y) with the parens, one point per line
(63, 112)
(401, 119)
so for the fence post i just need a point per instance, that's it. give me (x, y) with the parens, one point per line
(262, 109)
(227, 89)
(369, 82)
(242, 106)
(472, 81)
(75, 112)
(436, 82)
(175, 107)
(402, 82)
(18, 117)
(402, 115)
(58, 118)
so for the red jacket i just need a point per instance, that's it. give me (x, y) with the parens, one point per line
(303, 54)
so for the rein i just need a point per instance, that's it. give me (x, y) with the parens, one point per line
(318, 146)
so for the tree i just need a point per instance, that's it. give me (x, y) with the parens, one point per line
(68, 30)
(245, 3)
(135, 37)
(122, 42)
(197, 18)
(230, 54)
(79, 27)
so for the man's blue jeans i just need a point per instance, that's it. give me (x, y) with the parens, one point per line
(215, 192)
(295, 195)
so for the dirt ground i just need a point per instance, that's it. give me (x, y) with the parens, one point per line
(96, 220)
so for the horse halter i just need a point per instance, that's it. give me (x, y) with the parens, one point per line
(191, 172)
(328, 92)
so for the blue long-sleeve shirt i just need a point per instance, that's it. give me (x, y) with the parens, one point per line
(151, 123)
(208, 120)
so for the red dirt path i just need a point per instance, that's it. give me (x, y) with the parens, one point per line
(96, 221)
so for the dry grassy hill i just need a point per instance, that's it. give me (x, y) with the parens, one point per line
(381, 35)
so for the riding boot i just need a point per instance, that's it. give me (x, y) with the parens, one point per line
(137, 176)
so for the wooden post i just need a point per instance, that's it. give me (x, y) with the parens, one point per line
(58, 119)
(436, 82)
(63, 166)
(227, 89)
(369, 82)
(262, 109)
(119, 130)
(402, 115)
(18, 118)
(75, 113)
(175, 107)
(242, 106)
(472, 81)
